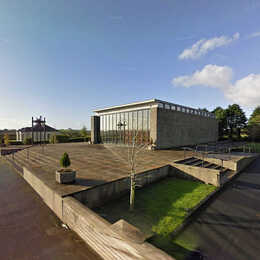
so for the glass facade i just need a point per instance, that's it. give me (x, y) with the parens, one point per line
(121, 127)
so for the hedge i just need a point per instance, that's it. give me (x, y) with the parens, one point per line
(79, 139)
(14, 142)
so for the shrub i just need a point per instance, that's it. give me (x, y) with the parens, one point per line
(6, 139)
(14, 142)
(65, 160)
(27, 140)
(59, 139)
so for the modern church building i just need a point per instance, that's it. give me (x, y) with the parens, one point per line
(159, 122)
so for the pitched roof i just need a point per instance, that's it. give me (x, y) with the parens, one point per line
(38, 128)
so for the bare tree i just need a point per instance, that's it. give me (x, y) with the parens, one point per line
(134, 148)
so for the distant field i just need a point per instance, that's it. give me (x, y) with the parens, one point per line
(159, 209)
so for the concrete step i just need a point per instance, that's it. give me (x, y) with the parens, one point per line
(36, 159)
(16, 163)
(22, 158)
(49, 158)
(186, 160)
(192, 162)
(210, 165)
(197, 163)
(216, 167)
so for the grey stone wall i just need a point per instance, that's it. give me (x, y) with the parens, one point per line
(101, 237)
(175, 128)
(97, 196)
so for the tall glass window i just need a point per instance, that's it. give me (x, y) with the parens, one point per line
(122, 127)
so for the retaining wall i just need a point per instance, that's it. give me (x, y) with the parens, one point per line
(92, 228)
(49, 196)
(9, 151)
(99, 195)
(98, 234)
(209, 176)
(236, 165)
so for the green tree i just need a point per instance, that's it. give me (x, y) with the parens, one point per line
(203, 109)
(65, 160)
(254, 118)
(27, 140)
(254, 125)
(221, 116)
(236, 119)
(83, 131)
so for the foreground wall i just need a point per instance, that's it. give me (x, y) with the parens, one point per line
(99, 234)
(208, 176)
(171, 128)
(93, 229)
(236, 165)
(99, 195)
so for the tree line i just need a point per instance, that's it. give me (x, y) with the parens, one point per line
(233, 123)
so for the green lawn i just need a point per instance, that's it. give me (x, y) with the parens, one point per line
(159, 209)
(255, 147)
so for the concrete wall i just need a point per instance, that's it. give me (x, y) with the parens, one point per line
(175, 128)
(49, 196)
(97, 232)
(99, 195)
(208, 176)
(7, 151)
(93, 229)
(236, 165)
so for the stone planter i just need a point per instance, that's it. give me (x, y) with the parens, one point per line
(65, 176)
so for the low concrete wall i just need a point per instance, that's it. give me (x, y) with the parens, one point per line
(226, 164)
(99, 195)
(243, 163)
(236, 165)
(7, 151)
(49, 196)
(209, 176)
(92, 228)
(98, 234)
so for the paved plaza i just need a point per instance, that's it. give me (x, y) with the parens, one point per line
(95, 164)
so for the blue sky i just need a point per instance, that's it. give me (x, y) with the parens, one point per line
(63, 59)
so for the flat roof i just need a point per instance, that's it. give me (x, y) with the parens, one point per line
(155, 101)
(150, 101)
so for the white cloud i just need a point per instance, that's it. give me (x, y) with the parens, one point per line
(203, 46)
(245, 91)
(209, 76)
(253, 35)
